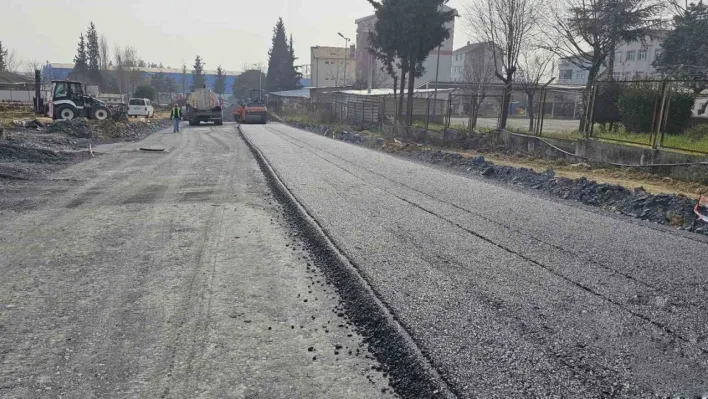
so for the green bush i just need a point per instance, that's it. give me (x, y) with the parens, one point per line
(606, 108)
(637, 103)
(679, 112)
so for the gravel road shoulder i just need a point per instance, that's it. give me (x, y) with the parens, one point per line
(170, 274)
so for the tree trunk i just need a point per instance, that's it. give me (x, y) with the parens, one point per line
(592, 75)
(506, 100)
(395, 97)
(403, 87)
(471, 120)
(529, 95)
(411, 87)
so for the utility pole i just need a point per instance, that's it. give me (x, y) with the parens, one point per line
(346, 48)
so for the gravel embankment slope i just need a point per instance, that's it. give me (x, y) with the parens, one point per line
(509, 294)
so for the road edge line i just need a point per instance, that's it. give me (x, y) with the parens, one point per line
(412, 373)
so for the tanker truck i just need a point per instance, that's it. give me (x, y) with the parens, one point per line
(203, 106)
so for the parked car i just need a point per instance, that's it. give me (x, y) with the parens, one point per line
(140, 107)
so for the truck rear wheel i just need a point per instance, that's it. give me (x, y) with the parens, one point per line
(219, 122)
(66, 112)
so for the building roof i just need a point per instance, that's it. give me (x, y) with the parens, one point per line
(298, 93)
(328, 52)
(9, 77)
(471, 47)
(59, 65)
(389, 92)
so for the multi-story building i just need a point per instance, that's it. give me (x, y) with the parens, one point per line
(633, 60)
(366, 63)
(332, 66)
(469, 57)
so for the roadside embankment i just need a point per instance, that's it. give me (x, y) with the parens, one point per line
(674, 210)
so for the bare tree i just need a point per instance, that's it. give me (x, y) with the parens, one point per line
(478, 73)
(13, 63)
(586, 32)
(30, 66)
(535, 72)
(104, 53)
(127, 74)
(510, 26)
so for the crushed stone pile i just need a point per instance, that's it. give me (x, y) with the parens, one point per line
(106, 129)
(667, 209)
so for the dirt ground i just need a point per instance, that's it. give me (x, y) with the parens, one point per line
(629, 178)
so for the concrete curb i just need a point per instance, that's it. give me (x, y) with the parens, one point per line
(412, 374)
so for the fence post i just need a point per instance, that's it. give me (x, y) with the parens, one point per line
(590, 113)
(363, 112)
(664, 87)
(542, 114)
(427, 113)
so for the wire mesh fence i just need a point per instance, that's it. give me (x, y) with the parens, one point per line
(654, 113)
(658, 113)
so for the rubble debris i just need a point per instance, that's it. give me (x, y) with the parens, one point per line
(28, 153)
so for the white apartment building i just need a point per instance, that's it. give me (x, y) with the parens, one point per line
(329, 65)
(632, 61)
(466, 57)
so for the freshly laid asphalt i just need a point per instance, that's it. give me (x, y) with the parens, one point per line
(508, 294)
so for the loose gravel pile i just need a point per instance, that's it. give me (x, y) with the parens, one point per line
(63, 143)
(106, 129)
(667, 209)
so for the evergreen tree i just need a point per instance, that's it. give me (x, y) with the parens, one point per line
(298, 75)
(198, 74)
(93, 52)
(408, 30)
(163, 83)
(80, 71)
(282, 74)
(93, 55)
(685, 45)
(3, 53)
(184, 78)
(220, 83)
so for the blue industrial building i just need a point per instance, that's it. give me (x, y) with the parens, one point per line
(55, 71)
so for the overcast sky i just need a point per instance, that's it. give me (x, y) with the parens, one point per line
(227, 33)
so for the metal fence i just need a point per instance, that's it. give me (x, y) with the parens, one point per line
(649, 112)
(556, 111)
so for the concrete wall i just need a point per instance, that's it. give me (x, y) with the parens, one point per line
(661, 162)
(16, 95)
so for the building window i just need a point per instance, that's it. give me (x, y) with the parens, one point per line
(618, 56)
(657, 54)
(642, 55)
(566, 74)
(631, 55)
(579, 75)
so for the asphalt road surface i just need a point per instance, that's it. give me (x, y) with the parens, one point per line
(167, 274)
(508, 294)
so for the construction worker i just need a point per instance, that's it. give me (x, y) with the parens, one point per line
(176, 116)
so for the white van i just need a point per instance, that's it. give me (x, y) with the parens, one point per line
(140, 107)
